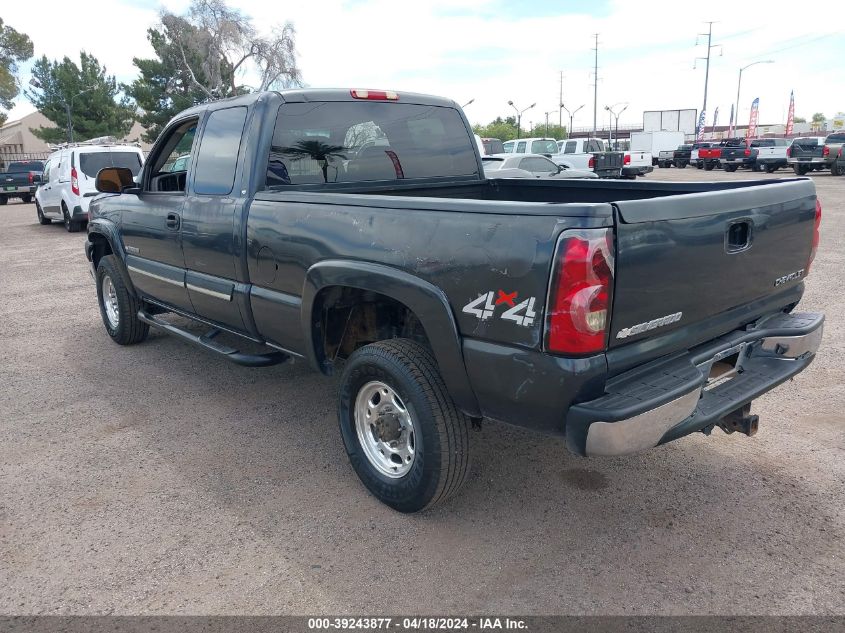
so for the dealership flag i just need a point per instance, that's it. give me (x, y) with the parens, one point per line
(731, 122)
(715, 117)
(701, 126)
(752, 122)
(790, 118)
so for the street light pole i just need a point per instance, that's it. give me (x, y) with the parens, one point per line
(571, 117)
(739, 85)
(519, 115)
(613, 114)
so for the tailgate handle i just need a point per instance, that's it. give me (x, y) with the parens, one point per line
(738, 236)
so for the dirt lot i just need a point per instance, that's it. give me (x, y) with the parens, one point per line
(160, 479)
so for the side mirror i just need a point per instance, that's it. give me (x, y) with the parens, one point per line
(114, 180)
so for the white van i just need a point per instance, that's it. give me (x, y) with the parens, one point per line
(544, 146)
(67, 184)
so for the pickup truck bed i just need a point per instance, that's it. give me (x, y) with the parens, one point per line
(618, 314)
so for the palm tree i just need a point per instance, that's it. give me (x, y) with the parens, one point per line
(316, 150)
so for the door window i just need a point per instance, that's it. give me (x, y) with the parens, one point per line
(218, 152)
(508, 147)
(570, 147)
(520, 148)
(538, 165)
(177, 144)
(45, 175)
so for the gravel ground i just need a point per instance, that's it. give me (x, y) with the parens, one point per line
(160, 479)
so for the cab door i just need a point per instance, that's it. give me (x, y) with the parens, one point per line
(151, 221)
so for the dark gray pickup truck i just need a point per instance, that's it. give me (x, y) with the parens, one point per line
(356, 230)
(20, 180)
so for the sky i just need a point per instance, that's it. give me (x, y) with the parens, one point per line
(495, 51)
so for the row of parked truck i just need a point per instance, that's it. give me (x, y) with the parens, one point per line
(814, 153)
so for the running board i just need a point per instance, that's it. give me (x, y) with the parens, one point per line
(206, 342)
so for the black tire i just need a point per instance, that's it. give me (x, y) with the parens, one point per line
(800, 170)
(730, 168)
(3, 200)
(770, 169)
(441, 431)
(708, 166)
(40, 214)
(129, 329)
(700, 165)
(834, 170)
(70, 225)
(26, 198)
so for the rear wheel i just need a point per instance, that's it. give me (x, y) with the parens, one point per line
(770, 169)
(700, 165)
(834, 170)
(405, 437)
(26, 198)
(3, 200)
(708, 166)
(118, 307)
(40, 214)
(800, 170)
(730, 168)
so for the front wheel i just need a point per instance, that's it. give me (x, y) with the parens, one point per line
(118, 307)
(404, 436)
(834, 170)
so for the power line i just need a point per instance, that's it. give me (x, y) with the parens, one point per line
(710, 47)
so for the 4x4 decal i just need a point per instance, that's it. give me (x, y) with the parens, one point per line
(484, 307)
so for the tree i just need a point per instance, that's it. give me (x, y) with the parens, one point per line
(799, 119)
(554, 131)
(316, 150)
(164, 87)
(819, 117)
(85, 94)
(216, 44)
(15, 47)
(503, 129)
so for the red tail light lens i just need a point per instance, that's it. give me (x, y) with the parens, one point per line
(31, 177)
(627, 159)
(826, 151)
(789, 152)
(592, 162)
(816, 235)
(74, 181)
(578, 314)
(747, 152)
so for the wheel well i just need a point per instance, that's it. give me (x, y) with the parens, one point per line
(344, 319)
(101, 248)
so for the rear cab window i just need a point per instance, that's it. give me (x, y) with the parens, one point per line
(544, 147)
(340, 142)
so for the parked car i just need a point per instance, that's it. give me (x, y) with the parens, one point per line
(769, 154)
(636, 163)
(618, 317)
(20, 180)
(544, 146)
(694, 156)
(661, 145)
(840, 162)
(710, 157)
(815, 153)
(681, 156)
(737, 154)
(492, 146)
(529, 166)
(589, 154)
(69, 179)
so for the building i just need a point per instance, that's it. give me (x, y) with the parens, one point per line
(17, 142)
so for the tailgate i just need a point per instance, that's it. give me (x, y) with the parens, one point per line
(685, 260)
(807, 149)
(608, 160)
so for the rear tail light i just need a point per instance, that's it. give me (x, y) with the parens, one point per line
(74, 181)
(825, 151)
(789, 152)
(816, 235)
(374, 95)
(592, 163)
(580, 293)
(31, 177)
(747, 152)
(840, 151)
(627, 159)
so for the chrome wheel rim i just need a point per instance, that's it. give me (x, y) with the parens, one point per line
(110, 302)
(385, 429)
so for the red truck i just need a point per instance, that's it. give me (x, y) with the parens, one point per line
(710, 156)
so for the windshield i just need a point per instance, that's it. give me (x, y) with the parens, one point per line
(331, 142)
(26, 165)
(90, 163)
(544, 147)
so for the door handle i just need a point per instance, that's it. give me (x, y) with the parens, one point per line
(172, 221)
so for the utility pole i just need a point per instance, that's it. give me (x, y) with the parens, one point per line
(710, 46)
(560, 103)
(596, 85)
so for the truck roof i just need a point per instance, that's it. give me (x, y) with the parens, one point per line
(305, 95)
